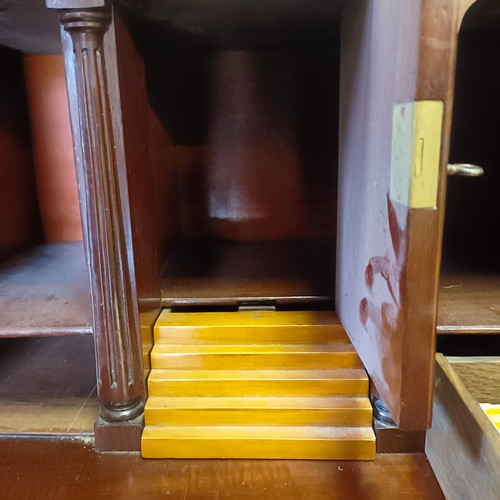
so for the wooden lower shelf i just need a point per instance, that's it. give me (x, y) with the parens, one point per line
(48, 386)
(469, 303)
(45, 291)
(231, 273)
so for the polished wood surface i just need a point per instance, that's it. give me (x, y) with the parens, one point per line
(48, 385)
(265, 356)
(258, 410)
(268, 169)
(72, 469)
(19, 218)
(45, 291)
(388, 253)
(253, 131)
(469, 302)
(248, 441)
(293, 327)
(279, 398)
(463, 446)
(284, 382)
(231, 273)
(53, 158)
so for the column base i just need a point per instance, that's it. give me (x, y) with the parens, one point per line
(391, 439)
(118, 436)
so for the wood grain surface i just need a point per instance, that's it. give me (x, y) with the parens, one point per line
(48, 385)
(71, 469)
(481, 376)
(469, 303)
(463, 445)
(45, 291)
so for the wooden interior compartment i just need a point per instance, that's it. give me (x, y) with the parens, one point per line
(469, 300)
(251, 116)
(43, 281)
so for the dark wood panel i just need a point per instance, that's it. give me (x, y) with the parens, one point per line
(26, 25)
(45, 291)
(51, 369)
(228, 273)
(255, 136)
(148, 150)
(236, 24)
(470, 244)
(19, 218)
(71, 469)
(269, 170)
(48, 385)
(469, 303)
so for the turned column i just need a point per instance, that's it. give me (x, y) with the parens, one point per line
(105, 215)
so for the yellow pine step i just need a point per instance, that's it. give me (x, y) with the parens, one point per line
(257, 327)
(339, 382)
(290, 442)
(258, 411)
(247, 357)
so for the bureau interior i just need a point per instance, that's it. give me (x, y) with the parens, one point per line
(470, 278)
(248, 163)
(43, 280)
(473, 204)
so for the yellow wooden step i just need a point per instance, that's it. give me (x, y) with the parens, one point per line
(292, 327)
(341, 411)
(297, 442)
(339, 382)
(248, 357)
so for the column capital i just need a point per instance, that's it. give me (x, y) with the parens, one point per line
(85, 20)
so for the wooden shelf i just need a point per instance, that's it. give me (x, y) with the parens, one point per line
(469, 303)
(231, 273)
(48, 385)
(45, 291)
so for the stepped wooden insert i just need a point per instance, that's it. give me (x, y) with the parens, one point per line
(256, 384)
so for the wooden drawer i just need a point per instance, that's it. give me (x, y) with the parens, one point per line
(463, 445)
